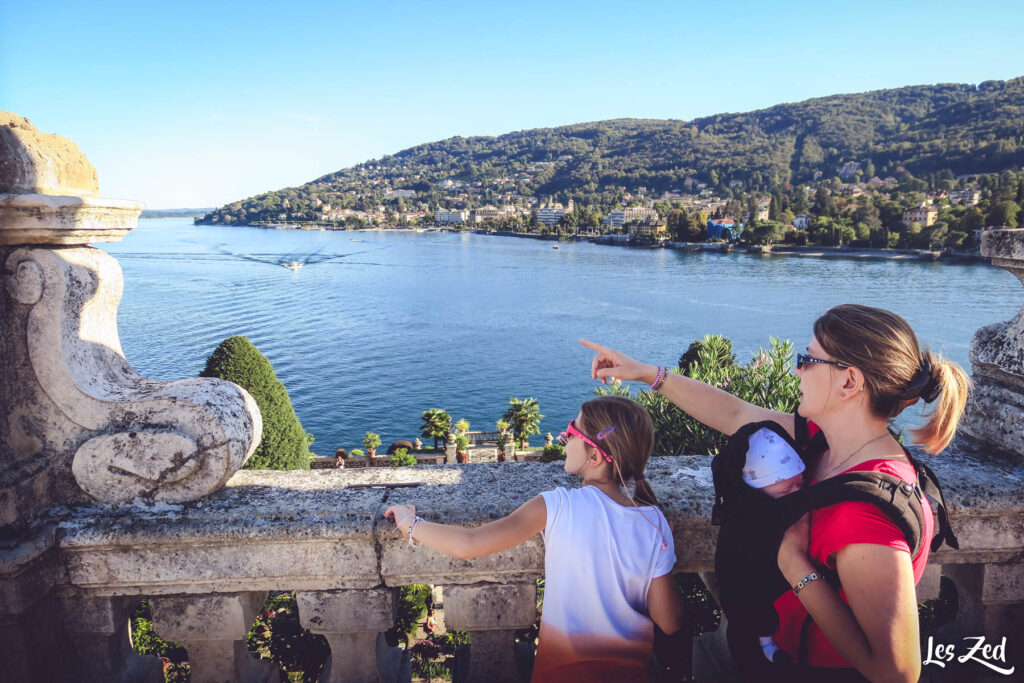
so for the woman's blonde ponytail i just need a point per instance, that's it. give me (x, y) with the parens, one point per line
(953, 387)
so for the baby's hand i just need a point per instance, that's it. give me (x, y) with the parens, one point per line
(403, 516)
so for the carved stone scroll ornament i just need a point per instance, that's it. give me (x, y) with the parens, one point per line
(138, 437)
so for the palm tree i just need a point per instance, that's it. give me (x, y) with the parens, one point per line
(523, 417)
(436, 425)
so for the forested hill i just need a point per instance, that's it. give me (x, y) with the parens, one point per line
(957, 128)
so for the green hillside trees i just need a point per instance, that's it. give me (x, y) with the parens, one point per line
(285, 444)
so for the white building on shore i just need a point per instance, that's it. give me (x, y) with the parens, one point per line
(446, 217)
(619, 217)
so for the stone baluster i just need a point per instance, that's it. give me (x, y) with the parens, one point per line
(449, 450)
(97, 628)
(492, 613)
(213, 628)
(353, 621)
(510, 450)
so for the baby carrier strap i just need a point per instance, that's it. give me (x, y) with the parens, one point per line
(899, 500)
(809, 447)
(929, 485)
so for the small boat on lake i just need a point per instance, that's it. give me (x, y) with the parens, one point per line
(294, 265)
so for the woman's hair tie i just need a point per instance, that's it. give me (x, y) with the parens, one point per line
(922, 385)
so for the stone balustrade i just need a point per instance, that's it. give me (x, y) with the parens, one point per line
(206, 566)
(115, 487)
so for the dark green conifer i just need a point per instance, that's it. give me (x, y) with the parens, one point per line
(285, 444)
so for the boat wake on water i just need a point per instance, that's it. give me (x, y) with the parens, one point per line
(295, 260)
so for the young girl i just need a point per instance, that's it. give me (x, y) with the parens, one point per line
(608, 554)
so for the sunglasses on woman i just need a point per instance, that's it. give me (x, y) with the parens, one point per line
(802, 360)
(572, 431)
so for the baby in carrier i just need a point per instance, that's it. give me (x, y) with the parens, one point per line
(759, 466)
(774, 467)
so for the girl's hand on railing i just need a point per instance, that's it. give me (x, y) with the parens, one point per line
(403, 516)
(612, 364)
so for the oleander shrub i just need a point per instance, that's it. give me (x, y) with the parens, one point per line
(284, 444)
(766, 380)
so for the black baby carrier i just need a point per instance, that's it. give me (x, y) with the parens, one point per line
(751, 525)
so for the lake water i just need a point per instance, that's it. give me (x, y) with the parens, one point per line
(380, 326)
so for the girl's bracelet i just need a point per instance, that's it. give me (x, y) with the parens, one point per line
(412, 529)
(399, 523)
(802, 583)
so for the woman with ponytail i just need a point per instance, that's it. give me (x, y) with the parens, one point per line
(862, 367)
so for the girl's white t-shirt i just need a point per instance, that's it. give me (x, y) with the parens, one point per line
(600, 559)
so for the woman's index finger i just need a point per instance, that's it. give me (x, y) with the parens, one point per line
(595, 347)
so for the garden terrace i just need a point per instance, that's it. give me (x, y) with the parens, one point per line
(115, 487)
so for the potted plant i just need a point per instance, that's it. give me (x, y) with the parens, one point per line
(370, 443)
(462, 448)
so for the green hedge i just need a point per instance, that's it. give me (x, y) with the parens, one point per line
(284, 444)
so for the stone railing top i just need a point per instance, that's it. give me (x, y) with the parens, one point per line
(1003, 243)
(306, 530)
(49, 193)
(32, 162)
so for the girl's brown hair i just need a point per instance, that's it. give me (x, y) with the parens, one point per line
(896, 370)
(629, 444)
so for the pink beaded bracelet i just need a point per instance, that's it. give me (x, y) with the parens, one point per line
(659, 379)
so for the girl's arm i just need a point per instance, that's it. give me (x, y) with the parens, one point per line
(665, 604)
(710, 405)
(877, 632)
(468, 542)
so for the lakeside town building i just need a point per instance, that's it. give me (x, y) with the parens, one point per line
(968, 197)
(551, 214)
(446, 217)
(650, 228)
(619, 217)
(925, 214)
(803, 221)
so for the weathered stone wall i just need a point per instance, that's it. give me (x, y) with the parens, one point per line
(995, 417)
(77, 423)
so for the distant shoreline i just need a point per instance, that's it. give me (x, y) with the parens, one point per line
(806, 251)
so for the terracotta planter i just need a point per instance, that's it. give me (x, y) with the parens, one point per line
(461, 456)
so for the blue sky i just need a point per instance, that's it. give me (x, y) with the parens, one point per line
(202, 103)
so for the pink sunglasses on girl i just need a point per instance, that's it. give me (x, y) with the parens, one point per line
(572, 431)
